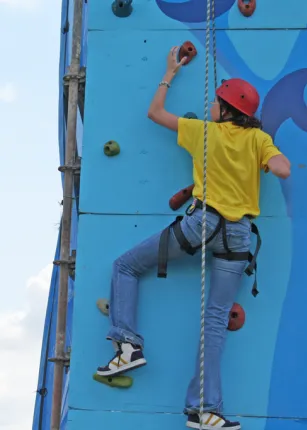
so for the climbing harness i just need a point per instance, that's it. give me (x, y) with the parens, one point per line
(198, 204)
(189, 249)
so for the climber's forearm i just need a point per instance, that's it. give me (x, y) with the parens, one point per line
(157, 112)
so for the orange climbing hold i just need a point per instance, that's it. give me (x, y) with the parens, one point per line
(180, 198)
(187, 50)
(247, 7)
(236, 317)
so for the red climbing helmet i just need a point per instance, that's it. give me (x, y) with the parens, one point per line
(239, 94)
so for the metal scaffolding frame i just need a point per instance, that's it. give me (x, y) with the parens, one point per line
(70, 169)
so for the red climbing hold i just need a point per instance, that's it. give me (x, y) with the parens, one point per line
(181, 198)
(247, 7)
(187, 50)
(236, 317)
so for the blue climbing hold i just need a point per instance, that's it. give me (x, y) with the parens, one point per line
(190, 115)
(122, 8)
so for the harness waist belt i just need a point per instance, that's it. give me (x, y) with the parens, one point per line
(199, 205)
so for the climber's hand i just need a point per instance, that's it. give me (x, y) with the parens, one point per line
(172, 61)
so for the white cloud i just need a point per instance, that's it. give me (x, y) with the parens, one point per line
(20, 346)
(8, 92)
(25, 4)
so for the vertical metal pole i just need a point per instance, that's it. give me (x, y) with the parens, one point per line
(70, 155)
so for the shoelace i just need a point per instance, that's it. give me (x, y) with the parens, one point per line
(118, 354)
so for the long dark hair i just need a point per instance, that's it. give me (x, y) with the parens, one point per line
(239, 118)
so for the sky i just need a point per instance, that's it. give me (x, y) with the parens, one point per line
(30, 192)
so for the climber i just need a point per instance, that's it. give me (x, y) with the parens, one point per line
(237, 150)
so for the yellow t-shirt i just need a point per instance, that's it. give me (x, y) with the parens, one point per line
(234, 158)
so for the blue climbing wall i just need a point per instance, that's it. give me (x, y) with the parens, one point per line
(125, 198)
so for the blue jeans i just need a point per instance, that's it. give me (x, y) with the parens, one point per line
(224, 285)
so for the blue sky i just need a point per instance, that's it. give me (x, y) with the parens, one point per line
(30, 191)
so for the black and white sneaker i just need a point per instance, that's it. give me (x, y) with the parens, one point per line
(212, 420)
(127, 357)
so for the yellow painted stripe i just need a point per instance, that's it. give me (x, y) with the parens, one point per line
(123, 361)
(216, 422)
(208, 420)
(115, 364)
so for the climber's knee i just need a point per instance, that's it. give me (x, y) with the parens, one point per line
(128, 265)
(216, 319)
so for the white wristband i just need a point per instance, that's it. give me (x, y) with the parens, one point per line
(164, 84)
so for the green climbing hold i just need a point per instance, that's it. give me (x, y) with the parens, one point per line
(120, 381)
(111, 148)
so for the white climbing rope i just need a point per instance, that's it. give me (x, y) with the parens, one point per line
(214, 42)
(203, 261)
